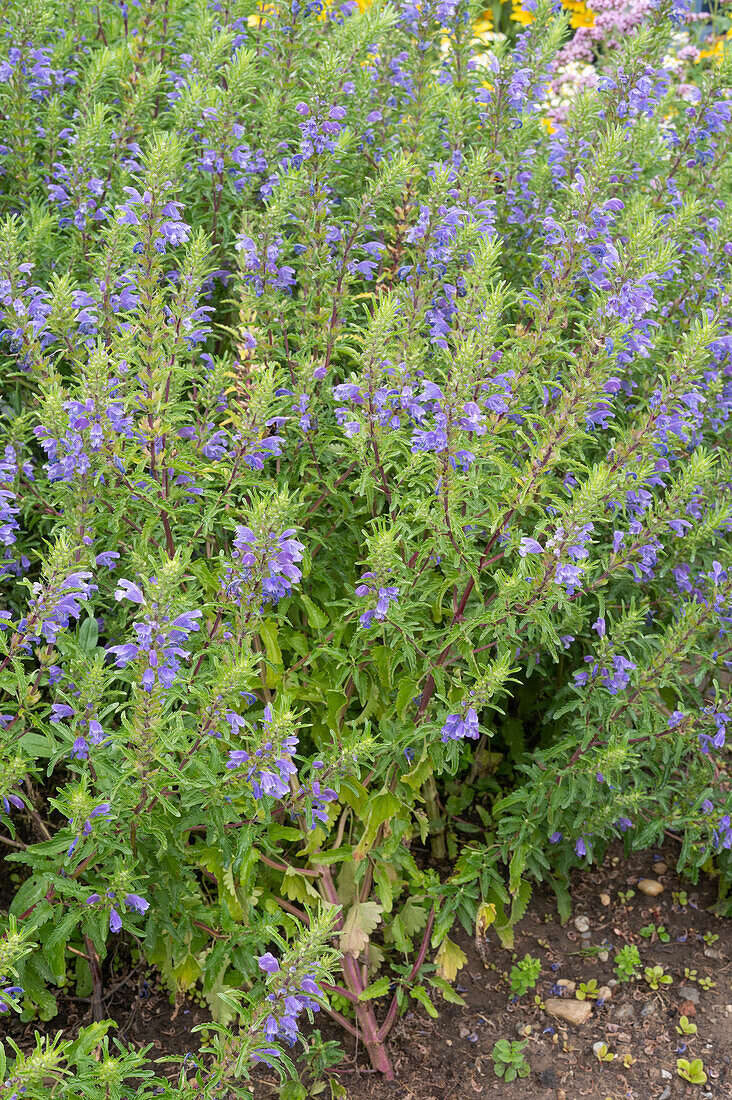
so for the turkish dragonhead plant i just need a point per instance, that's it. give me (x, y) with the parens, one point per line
(366, 502)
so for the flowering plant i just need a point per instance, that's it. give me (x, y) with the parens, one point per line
(365, 503)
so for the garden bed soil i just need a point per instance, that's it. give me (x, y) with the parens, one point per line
(449, 1058)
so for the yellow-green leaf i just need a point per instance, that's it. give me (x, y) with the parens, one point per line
(449, 959)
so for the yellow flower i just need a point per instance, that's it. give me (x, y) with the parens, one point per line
(582, 15)
(520, 16)
(717, 49)
(257, 19)
(584, 18)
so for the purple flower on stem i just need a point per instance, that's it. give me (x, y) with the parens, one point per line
(136, 903)
(529, 546)
(268, 963)
(158, 639)
(385, 594)
(459, 726)
(265, 566)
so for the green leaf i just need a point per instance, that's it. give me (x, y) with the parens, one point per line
(298, 887)
(88, 1039)
(293, 1090)
(381, 807)
(419, 993)
(187, 972)
(36, 745)
(317, 616)
(268, 632)
(28, 894)
(54, 947)
(447, 991)
(88, 635)
(379, 988)
(406, 691)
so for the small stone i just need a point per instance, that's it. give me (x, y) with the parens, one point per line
(586, 937)
(582, 924)
(713, 953)
(649, 1009)
(624, 1012)
(548, 1078)
(666, 1093)
(660, 868)
(464, 1031)
(598, 1047)
(604, 993)
(650, 887)
(612, 982)
(604, 899)
(666, 1076)
(603, 956)
(574, 1013)
(687, 1008)
(689, 993)
(567, 984)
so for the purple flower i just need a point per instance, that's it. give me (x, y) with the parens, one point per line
(581, 847)
(52, 607)
(385, 594)
(136, 903)
(267, 1055)
(128, 590)
(60, 711)
(115, 921)
(459, 726)
(529, 546)
(108, 558)
(570, 576)
(268, 963)
(157, 645)
(265, 566)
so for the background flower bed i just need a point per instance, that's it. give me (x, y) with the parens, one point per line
(366, 501)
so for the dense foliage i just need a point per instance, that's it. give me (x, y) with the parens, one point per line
(366, 499)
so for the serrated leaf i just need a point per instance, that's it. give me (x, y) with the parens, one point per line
(381, 807)
(449, 959)
(379, 988)
(361, 920)
(419, 993)
(298, 887)
(448, 993)
(414, 917)
(318, 617)
(89, 1038)
(406, 692)
(187, 972)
